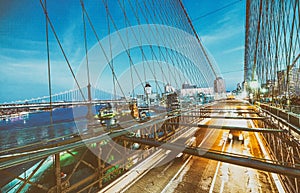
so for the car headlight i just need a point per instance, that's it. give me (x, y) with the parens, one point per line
(135, 146)
(241, 137)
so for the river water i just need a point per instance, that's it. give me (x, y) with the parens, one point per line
(36, 128)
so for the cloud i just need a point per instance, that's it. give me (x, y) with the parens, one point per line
(72, 38)
(221, 34)
(16, 42)
(35, 72)
(231, 24)
(13, 51)
(234, 49)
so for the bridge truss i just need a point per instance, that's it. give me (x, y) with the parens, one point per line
(73, 164)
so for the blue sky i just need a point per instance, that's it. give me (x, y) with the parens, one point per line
(23, 49)
(223, 34)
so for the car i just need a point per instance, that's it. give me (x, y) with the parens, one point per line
(230, 97)
(236, 135)
(144, 116)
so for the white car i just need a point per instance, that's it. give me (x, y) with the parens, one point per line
(236, 135)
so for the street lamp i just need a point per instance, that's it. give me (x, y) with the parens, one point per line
(253, 86)
(148, 90)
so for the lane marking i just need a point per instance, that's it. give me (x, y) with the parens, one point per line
(219, 163)
(216, 173)
(180, 171)
(123, 177)
(167, 187)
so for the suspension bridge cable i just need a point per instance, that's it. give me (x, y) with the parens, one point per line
(155, 36)
(151, 47)
(102, 48)
(121, 39)
(48, 61)
(172, 36)
(61, 48)
(143, 58)
(188, 25)
(163, 39)
(227, 72)
(130, 63)
(86, 56)
(190, 70)
(112, 60)
(156, 15)
(175, 23)
(217, 10)
(196, 35)
(134, 34)
(189, 48)
(169, 20)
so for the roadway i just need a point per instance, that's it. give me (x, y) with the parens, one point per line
(203, 175)
(196, 174)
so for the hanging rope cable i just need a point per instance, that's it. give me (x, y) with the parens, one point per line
(61, 48)
(184, 23)
(217, 10)
(49, 66)
(112, 60)
(122, 41)
(172, 36)
(196, 35)
(86, 57)
(154, 35)
(102, 48)
(165, 19)
(143, 58)
(130, 63)
(140, 47)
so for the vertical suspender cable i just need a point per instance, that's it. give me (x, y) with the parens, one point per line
(86, 56)
(196, 35)
(61, 48)
(49, 67)
(110, 50)
(101, 46)
(128, 53)
(256, 42)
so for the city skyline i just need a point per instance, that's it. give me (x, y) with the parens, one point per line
(23, 48)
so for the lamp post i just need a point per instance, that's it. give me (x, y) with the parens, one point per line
(254, 86)
(264, 91)
(148, 90)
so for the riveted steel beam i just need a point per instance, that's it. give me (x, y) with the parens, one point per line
(240, 160)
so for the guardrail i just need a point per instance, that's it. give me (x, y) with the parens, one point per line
(283, 146)
(293, 120)
(288, 108)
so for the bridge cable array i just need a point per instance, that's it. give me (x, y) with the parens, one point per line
(151, 37)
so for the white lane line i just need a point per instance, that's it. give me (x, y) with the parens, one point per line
(216, 173)
(124, 183)
(167, 187)
(179, 172)
(222, 186)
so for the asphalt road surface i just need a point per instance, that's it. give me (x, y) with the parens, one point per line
(203, 175)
